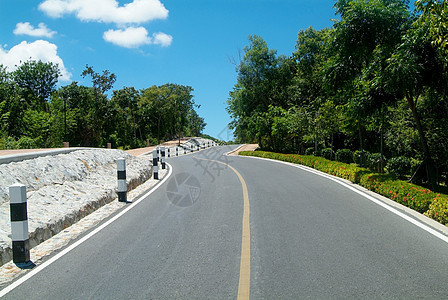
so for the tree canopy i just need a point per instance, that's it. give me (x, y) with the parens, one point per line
(35, 113)
(375, 81)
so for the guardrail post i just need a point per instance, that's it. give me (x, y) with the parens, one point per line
(155, 168)
(121, 174)
(19, 224)
(162, 152)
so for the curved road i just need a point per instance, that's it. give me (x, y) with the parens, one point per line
(309, 237)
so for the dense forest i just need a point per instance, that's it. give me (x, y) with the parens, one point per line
(34, 113)
(372, 89)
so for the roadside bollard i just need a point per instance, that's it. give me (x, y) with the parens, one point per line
(121, 174)
(198, 147)
(177, 151)
(154, 164)
(162, 152)
(191, 148)
(169, 153)
(158, 152)
(19, 224)
(208, 144)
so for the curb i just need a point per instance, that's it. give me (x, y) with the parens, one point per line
(6, 159)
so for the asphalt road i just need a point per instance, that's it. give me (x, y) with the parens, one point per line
(310, 237)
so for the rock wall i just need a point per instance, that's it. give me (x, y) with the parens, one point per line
(64, 188)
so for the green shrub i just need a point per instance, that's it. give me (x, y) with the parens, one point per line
(9, 143)
(309, 151)
(327, 153)
(29, 143)
(344, 156)
(360, 158)
(373, 161)
(438, 209)
(410, 195)
(399, 166)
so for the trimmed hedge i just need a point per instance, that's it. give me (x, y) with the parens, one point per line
(413, 196)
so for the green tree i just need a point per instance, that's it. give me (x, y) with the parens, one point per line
(36, 81)
(434, 13)
(263, 80)
(413, 68)
(102, 109)
(126, 102)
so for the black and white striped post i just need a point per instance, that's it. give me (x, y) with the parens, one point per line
(198, 147)
(177, 151)
(208, 144)
(191, 148)
(155, 158)
(162, 152)
(158, 152)
(169, 152)
(121, 174)
(19, 224)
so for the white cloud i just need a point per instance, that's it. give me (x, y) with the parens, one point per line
(108, 11)
(27, 29)
(134, 37)
(131, 37)
(162, 39)
(38, 50)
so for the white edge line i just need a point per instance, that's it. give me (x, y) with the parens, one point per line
(41, 267)
(371, 198)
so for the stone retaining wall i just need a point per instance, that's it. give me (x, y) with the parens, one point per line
(64, 188)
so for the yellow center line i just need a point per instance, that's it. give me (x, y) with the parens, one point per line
(244, 281)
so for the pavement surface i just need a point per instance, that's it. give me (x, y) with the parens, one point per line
(309, 237)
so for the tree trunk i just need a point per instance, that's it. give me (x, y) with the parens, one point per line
(424, 143)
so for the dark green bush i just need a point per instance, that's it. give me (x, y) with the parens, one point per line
(360, 158)
(373, 162)
(327, 153)
(344, 156)
(399, 166)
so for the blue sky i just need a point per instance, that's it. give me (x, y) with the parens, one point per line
(153, 42)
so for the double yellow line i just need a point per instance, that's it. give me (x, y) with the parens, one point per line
(244, 281)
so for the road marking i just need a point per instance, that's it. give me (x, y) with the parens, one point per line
(41, 267)
(371, 198)
(244, 280)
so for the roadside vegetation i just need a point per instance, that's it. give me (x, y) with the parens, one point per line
(34, 113)
(370, 90)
